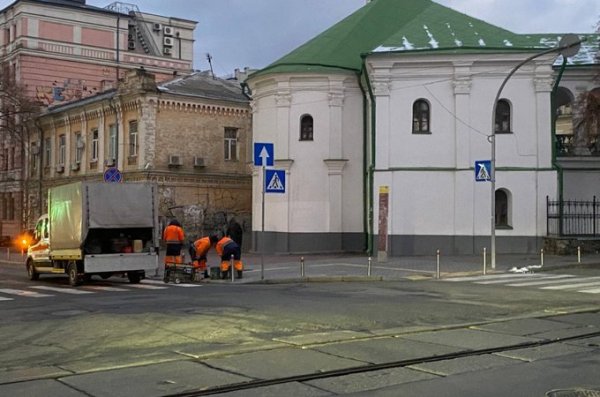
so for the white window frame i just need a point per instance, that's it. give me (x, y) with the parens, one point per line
(62, 149)
(133, 138)
(230, 141)
(78, 147)
(95, 145)
(112, 142)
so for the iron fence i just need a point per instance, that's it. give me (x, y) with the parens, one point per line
(573, 218)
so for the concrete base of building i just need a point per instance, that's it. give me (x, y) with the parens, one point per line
(398, 245)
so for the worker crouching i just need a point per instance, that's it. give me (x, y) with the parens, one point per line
(226, 248)
(198, 251)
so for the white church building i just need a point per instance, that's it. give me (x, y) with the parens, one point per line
(378, 123)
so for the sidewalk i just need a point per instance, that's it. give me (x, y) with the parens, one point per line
(270, 268)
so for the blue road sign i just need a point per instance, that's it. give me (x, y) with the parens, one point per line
(112, 174)
(483, 171)
(275, 181)
(264, 154)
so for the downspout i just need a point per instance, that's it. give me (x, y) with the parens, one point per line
(368, 158)
(555, 163)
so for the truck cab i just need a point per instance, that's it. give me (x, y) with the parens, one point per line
(38, 253)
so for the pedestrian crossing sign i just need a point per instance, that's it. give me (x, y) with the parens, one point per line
(483, 171)
(275, 181)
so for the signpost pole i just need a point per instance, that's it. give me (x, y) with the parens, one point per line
(262, 223)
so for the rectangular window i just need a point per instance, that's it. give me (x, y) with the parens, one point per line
(35, 158)
(112, 142)
(230, 143)
(47, 152)
(62, 149)
(78, 147)
(95, 148)
(133, 138)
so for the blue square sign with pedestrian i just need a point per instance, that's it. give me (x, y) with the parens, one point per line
(483, 171)
(275, 181)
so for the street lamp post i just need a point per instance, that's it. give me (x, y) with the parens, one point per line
(568, 46)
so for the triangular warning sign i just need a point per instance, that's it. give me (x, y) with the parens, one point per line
(275, 183)
(483, 174)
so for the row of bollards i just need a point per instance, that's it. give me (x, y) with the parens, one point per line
(437, 268)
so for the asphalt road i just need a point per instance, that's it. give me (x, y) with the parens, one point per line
(111, 338)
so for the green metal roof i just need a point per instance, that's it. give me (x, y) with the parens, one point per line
(399, 26)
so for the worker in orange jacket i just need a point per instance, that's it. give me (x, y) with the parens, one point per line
(174, 236)
(198, 252)
(226, 247)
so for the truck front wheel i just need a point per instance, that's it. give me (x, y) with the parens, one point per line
(73, 274)
(31, 273)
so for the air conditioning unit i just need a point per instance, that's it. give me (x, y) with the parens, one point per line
(168, 51)
(131, 45)
(75, 167)
(156, 27)
(168, 41)
(199, 162)
(80, 145)
(109, 162)
(60, 168)
(130, 37)
(35, 150)
(168, 31)
(174, 160)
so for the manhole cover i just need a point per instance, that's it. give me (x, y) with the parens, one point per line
(573, 393)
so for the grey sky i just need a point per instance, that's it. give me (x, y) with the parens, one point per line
(254, 33)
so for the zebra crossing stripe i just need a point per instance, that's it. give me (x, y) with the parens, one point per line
(515, 278)
(546, 280)
(492, 277)
(157, 282)
(146, 286)
(105, 288)
(5, 299)
(63, 290)
(573, 285)
(590, 291)
(22, 292)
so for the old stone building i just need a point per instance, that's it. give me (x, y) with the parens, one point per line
(65, 50)
(191, 135)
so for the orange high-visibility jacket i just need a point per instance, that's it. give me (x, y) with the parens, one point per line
(222, 243)
(202, 245)
(173, 234)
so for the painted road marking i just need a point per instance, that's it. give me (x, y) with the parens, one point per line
(22, 292)
(62, 290)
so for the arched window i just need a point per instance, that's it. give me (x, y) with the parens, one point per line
(503, 209)
(503, 117)
(306, 128)
(421, 117)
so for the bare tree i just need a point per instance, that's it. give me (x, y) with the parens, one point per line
(18, 112)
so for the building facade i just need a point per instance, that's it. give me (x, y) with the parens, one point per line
(379, 122)
(190, 135)
(65, 50)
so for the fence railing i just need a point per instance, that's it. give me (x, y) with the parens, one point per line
(573, 218)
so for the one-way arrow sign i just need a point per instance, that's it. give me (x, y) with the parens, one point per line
(263, 154)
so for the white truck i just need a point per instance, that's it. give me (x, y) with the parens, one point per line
(96, 228)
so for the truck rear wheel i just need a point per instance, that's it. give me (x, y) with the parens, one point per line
(31, 273)
(73, 274)
(134, 277)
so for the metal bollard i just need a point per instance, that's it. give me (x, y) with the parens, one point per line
(231, 269)
(437, 273)
(578, 254)
(484, 261)
(542, 257)
(302, 266)
(369, 267)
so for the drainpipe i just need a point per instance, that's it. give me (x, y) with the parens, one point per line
(555, 163)
(368, 159)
